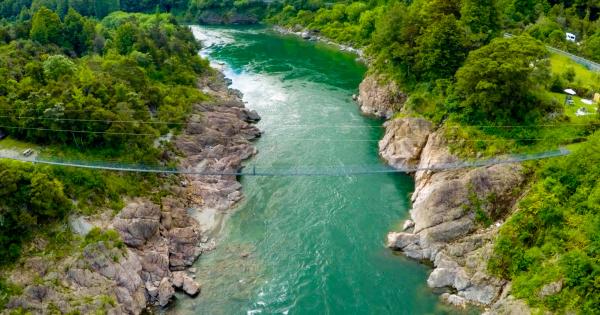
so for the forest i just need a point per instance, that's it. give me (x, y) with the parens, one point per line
(92, 89)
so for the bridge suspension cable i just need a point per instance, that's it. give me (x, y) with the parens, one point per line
(254, 170)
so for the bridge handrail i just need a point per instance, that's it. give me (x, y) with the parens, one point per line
(291, 171)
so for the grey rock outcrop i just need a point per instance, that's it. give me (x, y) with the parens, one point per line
(102, 273)
(217, 140)
(509, 306)
(445, 208)
(138, 222)
(551, 288)
(165, 292)
(379, 96)
(404, 140)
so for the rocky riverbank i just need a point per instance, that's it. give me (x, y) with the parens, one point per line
(162, 236)
(311, 35)
(451, 210)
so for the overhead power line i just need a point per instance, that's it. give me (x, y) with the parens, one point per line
(82, 131)
(97, 120)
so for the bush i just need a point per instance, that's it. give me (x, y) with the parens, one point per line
(554, 235)
(110, 238)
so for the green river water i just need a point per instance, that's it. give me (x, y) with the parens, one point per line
(314, 245)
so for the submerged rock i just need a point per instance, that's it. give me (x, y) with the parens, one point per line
(184, 282)
(190, 287)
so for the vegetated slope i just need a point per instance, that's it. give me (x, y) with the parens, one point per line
(550, 248)
(80, 88)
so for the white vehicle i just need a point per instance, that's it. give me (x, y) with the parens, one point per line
(27, 152)
(571, 37)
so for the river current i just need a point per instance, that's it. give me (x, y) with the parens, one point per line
(307, 245)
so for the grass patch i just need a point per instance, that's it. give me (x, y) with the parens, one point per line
(110, 238)
(10, 143)
(570, 110)
(560, 63)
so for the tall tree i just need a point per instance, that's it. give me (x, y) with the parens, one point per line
(481, 19)
(105, 7)
(498, 82)
(441, 49)
(78, 32)
(125, 37)
(46, 27)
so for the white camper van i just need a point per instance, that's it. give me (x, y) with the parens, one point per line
(571, 37)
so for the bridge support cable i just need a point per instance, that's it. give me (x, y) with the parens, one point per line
(254, 170)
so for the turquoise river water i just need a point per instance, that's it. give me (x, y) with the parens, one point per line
(307, 245)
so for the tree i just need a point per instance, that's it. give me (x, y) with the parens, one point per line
(85, 7)
(441, 49)
(592, 46)
(481, 19)
(57, 66)
(125, 37)
(78, 32)
(47, 197)
(499, 82)
(46, 27)
(105, 7)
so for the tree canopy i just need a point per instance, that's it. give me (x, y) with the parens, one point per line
(498, 82)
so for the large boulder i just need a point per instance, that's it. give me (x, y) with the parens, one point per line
(380, 96)
(403, 141)
(138, 222)
(165, 292)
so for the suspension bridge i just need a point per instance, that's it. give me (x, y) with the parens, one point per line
(255, 170)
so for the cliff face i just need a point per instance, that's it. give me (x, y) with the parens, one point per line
(450, 213)
(163, 238)
(379, 96)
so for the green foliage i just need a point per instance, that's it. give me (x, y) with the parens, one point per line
(554, 235)
(149, 66)
(481, 19)
(81, 102)
(499, 82)
(57, 66)
(79, 32)
(110, 238)
(441, 51)
(592, 46)
(125, 38)
(28, 196)
(46, 27)
(7, 290)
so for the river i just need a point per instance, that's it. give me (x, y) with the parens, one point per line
(307, 245)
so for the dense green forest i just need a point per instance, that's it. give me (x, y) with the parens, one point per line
(75, 74)
(87, 88)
